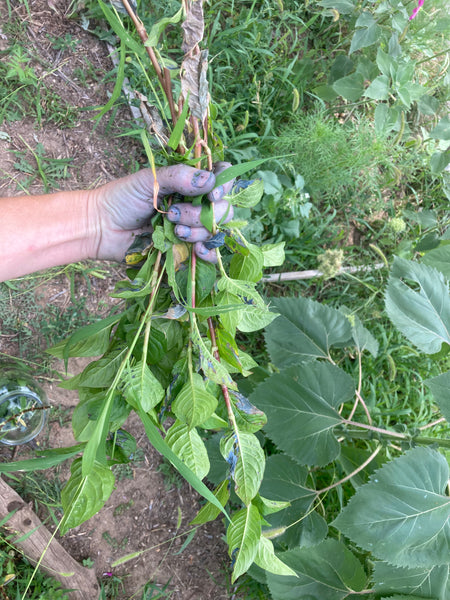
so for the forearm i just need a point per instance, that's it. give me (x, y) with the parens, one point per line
(38, 232)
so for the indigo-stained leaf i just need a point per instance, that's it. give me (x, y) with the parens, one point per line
(301, 406)
(246, 458)
(304, 331)
(440, 388)
(249, 196)
(189, 447)
(243, 535)
(82, 497)
(248, 417)
(327, 571)
(194, 404)
(423, 315)
(209, 512)
(269, 561)
(402, 514)
(211, 367)
(228, 349)
(430, 584)
(141, 387)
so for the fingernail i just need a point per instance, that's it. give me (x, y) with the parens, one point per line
(173, 214)
(182, 231)
(201, 178)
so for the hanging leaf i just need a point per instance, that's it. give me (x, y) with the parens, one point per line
(141, 388)
(423, 316)
(440, 388)
(301, 406)
(159, 27)
(305, 330)
(211, 367)
(244, 454)
(267, 560)
(209, 512)
(401, 515)
(243, 535)
(248, 417)
(193, 26)
(249, 196)
(273, 254)
(189, 447)
(194, 404)
(328, 571)
(247, 268)
(194, 83)
(432, 583)
(83, 496)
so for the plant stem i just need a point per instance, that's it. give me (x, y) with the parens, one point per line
(353, 473)
(296, 275)
(364, 435)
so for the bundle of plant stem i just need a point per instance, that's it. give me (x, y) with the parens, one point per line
(170, 354)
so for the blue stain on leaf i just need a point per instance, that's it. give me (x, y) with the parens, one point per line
(242, 403)
(241, 184)
(216, 241)
(233, 557)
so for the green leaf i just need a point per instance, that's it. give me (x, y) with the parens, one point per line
(328, 571)
(362, 337)
(120, 31)
(161, 446)
(266, 559)
(350, 87)
(378, 89)
(269, 507)
(243, 535)
(385, 62)
(248, 417)
(47, 459)
(247, 268)
(88, 410)
(401, 515)
(439, 258)
(365, 36)
(228, 349)
(159, 27)
(177, 133)
(99, 373)
(230, 319)
(194, 404)
(432, 583)
(245, 456)
(247, 197)
(439, 161)
(304, 331)
(254, 318)
(209, 512)
(301, 406)
(273, 254)
(141, 387)
(422, 316)
(207, 216)
(205, 278)
(442, 129)
(83, 496)
(345, 7)
(241, 169)
(189, 447)
(440, 388)
(211, 367)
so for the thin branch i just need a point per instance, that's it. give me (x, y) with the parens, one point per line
(353, 473)
(296, 275)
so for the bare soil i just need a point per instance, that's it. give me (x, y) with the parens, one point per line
(146, 513)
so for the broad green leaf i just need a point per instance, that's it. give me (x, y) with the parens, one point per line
(273, 254)
(439, 258)
(304, 331)
(285, 480)
(266, 559)
(194, 404)
(189, 447)
(385, 62)
(423, 316)
(205, 278)
(228, 349)
(157, 346)
(328, 571)
(345, 7)
(439, 161)
(269, 507)
(91, 340)
(230, 319)
(245, 456)
(161, 446)
(378, 89)
(247, 268)
(209, 512)
(442, 129)
(141, 388)
(254, 318)
(88, 410)
(301, 406)
(402, 514)
(350, 87)
(431, 584)
(440, 388)
(159, 27)
(365, 36)
(83, 496)
(248, 197)
(243, 535)
(45, 460)
(99, 373)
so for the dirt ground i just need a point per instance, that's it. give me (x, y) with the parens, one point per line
(145, 509)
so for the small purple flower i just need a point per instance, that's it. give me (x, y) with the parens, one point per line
(107, 574)
(416, 10)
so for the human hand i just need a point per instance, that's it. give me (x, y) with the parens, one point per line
(123, 208)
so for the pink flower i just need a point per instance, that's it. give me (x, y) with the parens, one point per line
(416, 10)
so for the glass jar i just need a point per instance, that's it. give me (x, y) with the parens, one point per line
(23, 405)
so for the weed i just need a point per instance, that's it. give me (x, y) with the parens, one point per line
(171, 476)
